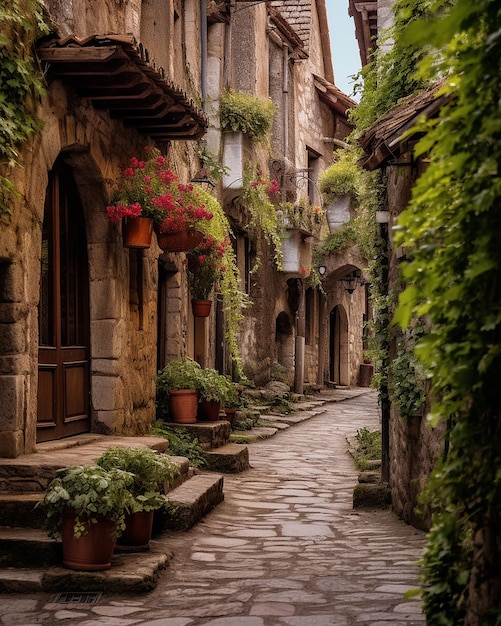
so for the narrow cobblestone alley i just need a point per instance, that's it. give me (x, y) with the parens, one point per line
(284, 548)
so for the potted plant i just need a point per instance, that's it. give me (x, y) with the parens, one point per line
(341, 186)
(214, 389)
(149, 190)
(261, 195)
(232, 402)
(206, 266)
(150, 469)
(177, 395)
(247, 113)
(85, 506)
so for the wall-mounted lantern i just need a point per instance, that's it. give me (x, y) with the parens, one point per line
(351, 281)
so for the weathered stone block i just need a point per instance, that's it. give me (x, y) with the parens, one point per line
(108, 338)
(12, 338)
(12, 399)
(373, 495)
(11, 444)
(11, 282)
(107, 393)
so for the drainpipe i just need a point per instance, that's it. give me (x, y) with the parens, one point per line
(203, 50)
(285, 90)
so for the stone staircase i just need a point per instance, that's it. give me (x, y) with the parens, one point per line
(30, 560)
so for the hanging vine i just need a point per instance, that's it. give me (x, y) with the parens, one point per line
(451, 230)
(21, 23)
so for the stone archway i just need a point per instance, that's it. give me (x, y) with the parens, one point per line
(338, 346)
(63, 313)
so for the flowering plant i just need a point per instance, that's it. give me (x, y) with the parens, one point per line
(148, 188)
(206, 265)
(260, 195)
(302, 215)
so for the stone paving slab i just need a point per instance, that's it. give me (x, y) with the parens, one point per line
(285, 548)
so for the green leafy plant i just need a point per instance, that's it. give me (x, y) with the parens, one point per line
(215, 386)
(406, 384)
(179, 374)
(344, 177)
(180, 443)
(367, 448)
(213, 166)
(450, 230)
(246, 113)
(21, 23)
(228, 280)
(260, 195)
(301, 214)
(90, 491)
(150, 470)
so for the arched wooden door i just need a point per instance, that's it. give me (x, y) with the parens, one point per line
(63, 356)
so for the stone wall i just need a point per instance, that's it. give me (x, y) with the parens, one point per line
(414, 446)
(122, 283)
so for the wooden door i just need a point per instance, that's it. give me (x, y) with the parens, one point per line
(335, 347)
(63, 356)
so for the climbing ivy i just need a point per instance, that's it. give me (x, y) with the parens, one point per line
(452, 226)
(390, 73)
(407, 380)
(21, 23)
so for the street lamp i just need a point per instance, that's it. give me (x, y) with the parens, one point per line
(321, 270)
(351, 281)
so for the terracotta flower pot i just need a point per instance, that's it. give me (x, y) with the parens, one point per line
(183, 404)
(208, 410)
(201, 308)
(229, 415)
(137, 232)
(91, 552)
(178, 241)
(137, 533)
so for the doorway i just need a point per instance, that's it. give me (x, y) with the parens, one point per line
(338, 346)
(63, 313)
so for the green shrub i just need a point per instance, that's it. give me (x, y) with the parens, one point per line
(246, 113)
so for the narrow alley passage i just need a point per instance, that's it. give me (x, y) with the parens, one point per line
(284, 548)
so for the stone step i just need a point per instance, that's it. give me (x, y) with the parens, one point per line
(20, 509)
(208, 434)
(131, 572)
(21, 547)
(33, 472)
(231, 458)
(30, 561)
(190, 502)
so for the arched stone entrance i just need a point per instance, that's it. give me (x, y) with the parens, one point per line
(63, 313)
(338, 346)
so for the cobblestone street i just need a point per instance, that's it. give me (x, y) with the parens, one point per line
(284, 548)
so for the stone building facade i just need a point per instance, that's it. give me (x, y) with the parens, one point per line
(414, 447)
(85, 323)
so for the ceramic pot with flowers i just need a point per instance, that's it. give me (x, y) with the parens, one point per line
(206, 267)
(147, 188)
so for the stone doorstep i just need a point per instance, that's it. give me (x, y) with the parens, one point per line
(33, 472)
(21, 507)
(231, 458)
(209, 434)
(131, 572)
